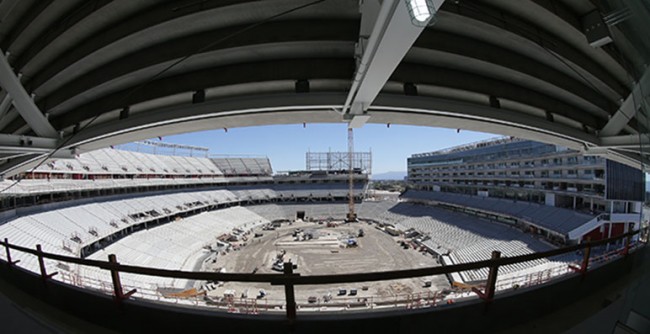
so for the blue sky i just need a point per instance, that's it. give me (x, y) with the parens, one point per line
(286, 145)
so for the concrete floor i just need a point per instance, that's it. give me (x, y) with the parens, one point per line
(21, 313)
(624, 303)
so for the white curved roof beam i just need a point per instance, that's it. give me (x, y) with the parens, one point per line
(392, 36)
(640, 95)
(23, 101)
(5, 104)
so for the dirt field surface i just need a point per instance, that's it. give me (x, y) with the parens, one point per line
(326, 253)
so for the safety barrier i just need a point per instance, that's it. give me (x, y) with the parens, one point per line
(289, 279)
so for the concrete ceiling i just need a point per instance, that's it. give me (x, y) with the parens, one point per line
(106, 72)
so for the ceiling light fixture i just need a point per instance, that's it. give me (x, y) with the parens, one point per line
(421, 12)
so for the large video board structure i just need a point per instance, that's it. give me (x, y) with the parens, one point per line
(361, 161)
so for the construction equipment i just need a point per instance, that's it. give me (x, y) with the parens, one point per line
(352, 216)
(185, 293)
(464, 285)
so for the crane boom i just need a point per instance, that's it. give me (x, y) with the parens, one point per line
(352, 216)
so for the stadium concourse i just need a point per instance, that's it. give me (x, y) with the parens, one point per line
(176, 213)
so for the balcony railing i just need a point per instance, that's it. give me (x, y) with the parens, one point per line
(289, 279)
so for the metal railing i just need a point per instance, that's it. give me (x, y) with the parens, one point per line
(289, 279)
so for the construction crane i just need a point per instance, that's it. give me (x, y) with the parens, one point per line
(352, 216)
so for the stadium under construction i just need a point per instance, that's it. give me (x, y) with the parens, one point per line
(104, 229)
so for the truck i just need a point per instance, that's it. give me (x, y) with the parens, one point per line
(391, 230)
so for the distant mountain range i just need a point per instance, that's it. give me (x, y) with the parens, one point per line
(389, 176)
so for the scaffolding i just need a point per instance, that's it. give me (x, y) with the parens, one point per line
(339, 161)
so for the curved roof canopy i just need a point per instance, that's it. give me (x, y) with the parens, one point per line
(78, 75)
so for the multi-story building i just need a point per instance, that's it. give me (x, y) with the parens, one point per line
(524, 170)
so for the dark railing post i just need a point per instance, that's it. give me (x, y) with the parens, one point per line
(585, 259)
(628, 241)
(9, 262)
(490, 284)
(41, 264)
(289, 294)
(117, 284)
(492, 278)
